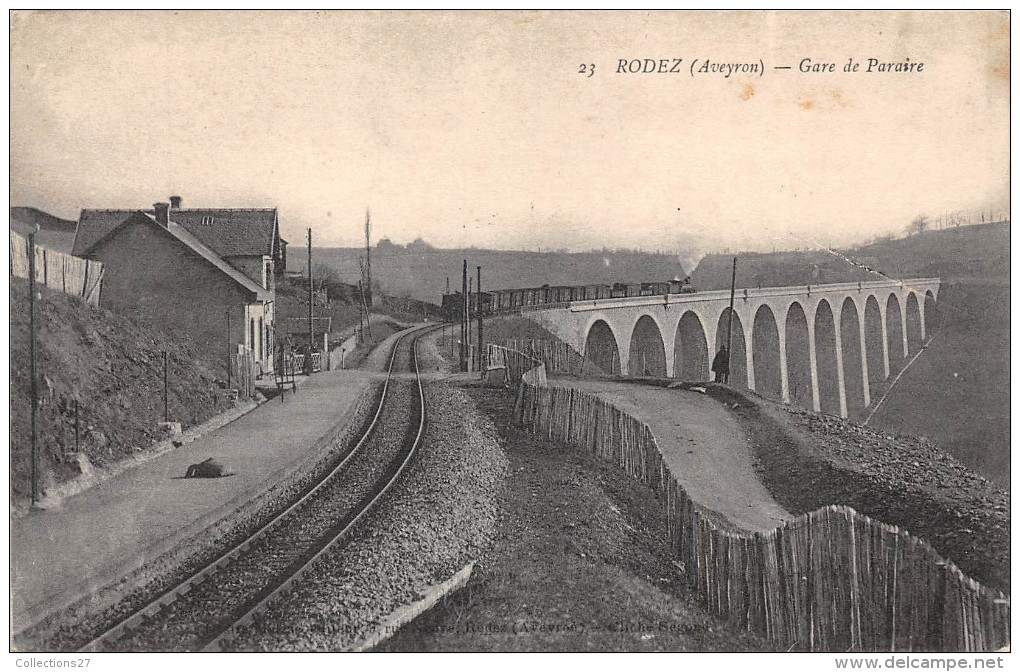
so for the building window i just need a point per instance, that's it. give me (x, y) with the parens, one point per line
(207, 219)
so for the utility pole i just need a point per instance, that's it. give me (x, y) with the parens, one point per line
(368, 260)
(463, 319)
(478, 312)
(311, 326)
(470, 350)
(228, 349)
(729, 327)
(34, 392)
(166, 387)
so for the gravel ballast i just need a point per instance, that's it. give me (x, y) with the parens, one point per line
(438, 518)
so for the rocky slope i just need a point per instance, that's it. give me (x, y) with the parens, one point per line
(808, 460)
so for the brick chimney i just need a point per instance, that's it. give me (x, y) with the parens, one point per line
(175, 202)
(162, 213)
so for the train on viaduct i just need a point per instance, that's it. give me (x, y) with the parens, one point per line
(504, 301)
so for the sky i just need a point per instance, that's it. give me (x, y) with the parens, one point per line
(478, 129)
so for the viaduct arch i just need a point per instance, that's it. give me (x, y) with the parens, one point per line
(819, 346)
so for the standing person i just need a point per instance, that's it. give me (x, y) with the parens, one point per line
(721, 365)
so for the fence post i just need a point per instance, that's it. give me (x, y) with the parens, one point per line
(166, 387)
(32, 373)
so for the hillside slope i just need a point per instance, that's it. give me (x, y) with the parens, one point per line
(420, 272)
(810, 460)
(113, 367)
(979, 251)
(957, 393)
(53, 232)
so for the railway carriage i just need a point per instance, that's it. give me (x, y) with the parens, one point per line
(514, 300)
(560, 294)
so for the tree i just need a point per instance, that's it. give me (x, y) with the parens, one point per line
(918, 224)
(419, 245)
(325, 274)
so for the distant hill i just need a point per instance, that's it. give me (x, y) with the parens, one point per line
(420, 271)
(980, 251)
(967, 252)
(54, 232)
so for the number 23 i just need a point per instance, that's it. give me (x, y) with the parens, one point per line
(587, 69)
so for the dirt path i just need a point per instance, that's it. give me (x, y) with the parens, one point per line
(704, 446)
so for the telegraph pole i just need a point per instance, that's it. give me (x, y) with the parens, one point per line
(228, 349)
(34, 392)
(311, 327)
(729, 327)
(166, 387)
(368, 258)
(470, 340)
(463, 319)
(478, 312)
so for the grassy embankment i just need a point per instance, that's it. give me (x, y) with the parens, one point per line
(112, 366)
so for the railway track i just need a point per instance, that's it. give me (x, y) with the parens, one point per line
(200, 612)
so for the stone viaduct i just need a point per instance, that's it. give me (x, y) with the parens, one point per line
(823, 347)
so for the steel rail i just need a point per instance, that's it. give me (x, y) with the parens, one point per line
(172, 594)
(227, 636)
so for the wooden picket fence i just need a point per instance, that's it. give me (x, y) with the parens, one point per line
(517, 365)
(829, 580)
(560, 357)
(244, 372)
(56, 270)
(556, 355)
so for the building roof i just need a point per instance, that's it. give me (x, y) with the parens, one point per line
(197, 246)
(185, 236)
(229, 232)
